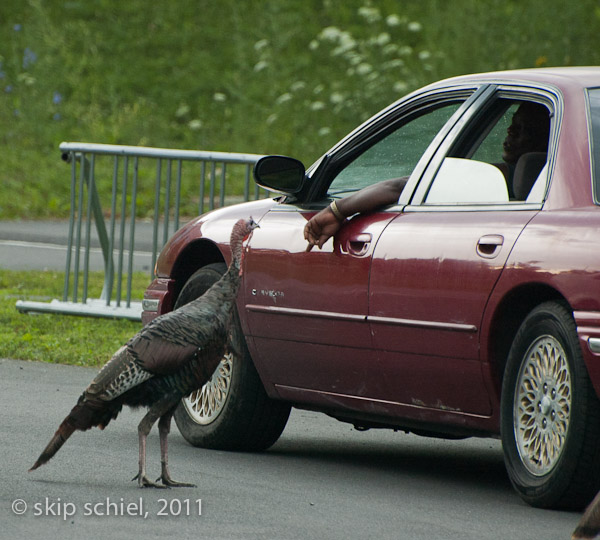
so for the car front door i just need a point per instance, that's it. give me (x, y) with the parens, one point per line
(307, 311)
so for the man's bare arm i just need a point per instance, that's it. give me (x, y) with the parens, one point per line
(326, 223)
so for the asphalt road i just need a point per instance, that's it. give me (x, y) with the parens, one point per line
(42, 245)
(321, 480)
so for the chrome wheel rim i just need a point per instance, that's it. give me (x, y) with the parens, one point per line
(205, 405)
(542, 407)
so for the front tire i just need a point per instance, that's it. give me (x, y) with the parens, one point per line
(232, 410)
(550, 414)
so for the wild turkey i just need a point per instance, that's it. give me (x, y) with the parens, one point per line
(589, 525)
(169, 358)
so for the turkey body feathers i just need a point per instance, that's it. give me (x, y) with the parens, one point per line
(169, 358)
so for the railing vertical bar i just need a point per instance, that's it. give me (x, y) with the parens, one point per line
(202, 182)
(213, 172)
(247, 184)
(73, 161)
(222, 187)
(78, 233)
(256, 191)
(88, 225)
(167, 202)
(111, 242)
(132, 229)
(156, 218)
(122, 229)
(178, 194)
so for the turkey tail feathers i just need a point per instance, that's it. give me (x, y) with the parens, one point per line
(60, 437)
(86, 414)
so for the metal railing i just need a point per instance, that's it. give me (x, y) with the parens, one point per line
(206, 173)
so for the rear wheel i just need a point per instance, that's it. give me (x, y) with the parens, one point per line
(550, 413)
(232, 410)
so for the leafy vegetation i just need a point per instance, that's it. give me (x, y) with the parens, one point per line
(287, 77)
(58, 338)
(281, 76)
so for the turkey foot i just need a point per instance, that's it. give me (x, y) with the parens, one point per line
(166, 479)
(143, 482)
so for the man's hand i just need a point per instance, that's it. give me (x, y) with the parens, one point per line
(320, 228)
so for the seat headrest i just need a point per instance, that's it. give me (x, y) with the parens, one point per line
(526, 172)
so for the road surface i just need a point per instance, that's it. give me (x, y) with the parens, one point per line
(321, 480)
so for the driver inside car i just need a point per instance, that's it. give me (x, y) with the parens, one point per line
(528, 132)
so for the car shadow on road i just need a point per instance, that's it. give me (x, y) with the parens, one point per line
(476, 462)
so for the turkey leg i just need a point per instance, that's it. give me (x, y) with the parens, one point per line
(144, 427)
(164, 426)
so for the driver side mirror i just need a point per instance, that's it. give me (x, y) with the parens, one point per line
(280, 174)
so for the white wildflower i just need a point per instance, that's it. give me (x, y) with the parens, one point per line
(414, 26)
(424, 55)
(330, 33)
(260, 65)
(346, 43)
(370, 14)
(383, 39)
(261, 44)
(317, 106)
(354, 58)
(313, 45)
(400, 87)
(283, 98)
(324, 131)
(393, 20)
(397, 63)
(337, 97)
(297, 86)
(182, 110)
(219, 96)
(390, 48)
(271, 119)
(364, 68)
(195, 124)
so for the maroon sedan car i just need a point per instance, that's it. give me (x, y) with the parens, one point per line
(471, 307)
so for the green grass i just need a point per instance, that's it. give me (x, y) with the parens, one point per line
(53, 338)
(285, 76)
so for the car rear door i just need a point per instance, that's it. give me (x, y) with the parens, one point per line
(432, 274)
(433, 271)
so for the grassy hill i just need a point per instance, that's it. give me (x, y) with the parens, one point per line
(275, 76)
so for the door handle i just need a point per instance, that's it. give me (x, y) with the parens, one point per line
(358, 245)
(489, 245)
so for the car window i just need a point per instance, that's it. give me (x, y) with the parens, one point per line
(394, 156)
(594, 105)
(507, 144)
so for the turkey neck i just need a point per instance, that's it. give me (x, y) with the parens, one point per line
(237, 239)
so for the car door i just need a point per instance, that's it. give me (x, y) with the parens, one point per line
(434, 268)
(307, 311)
